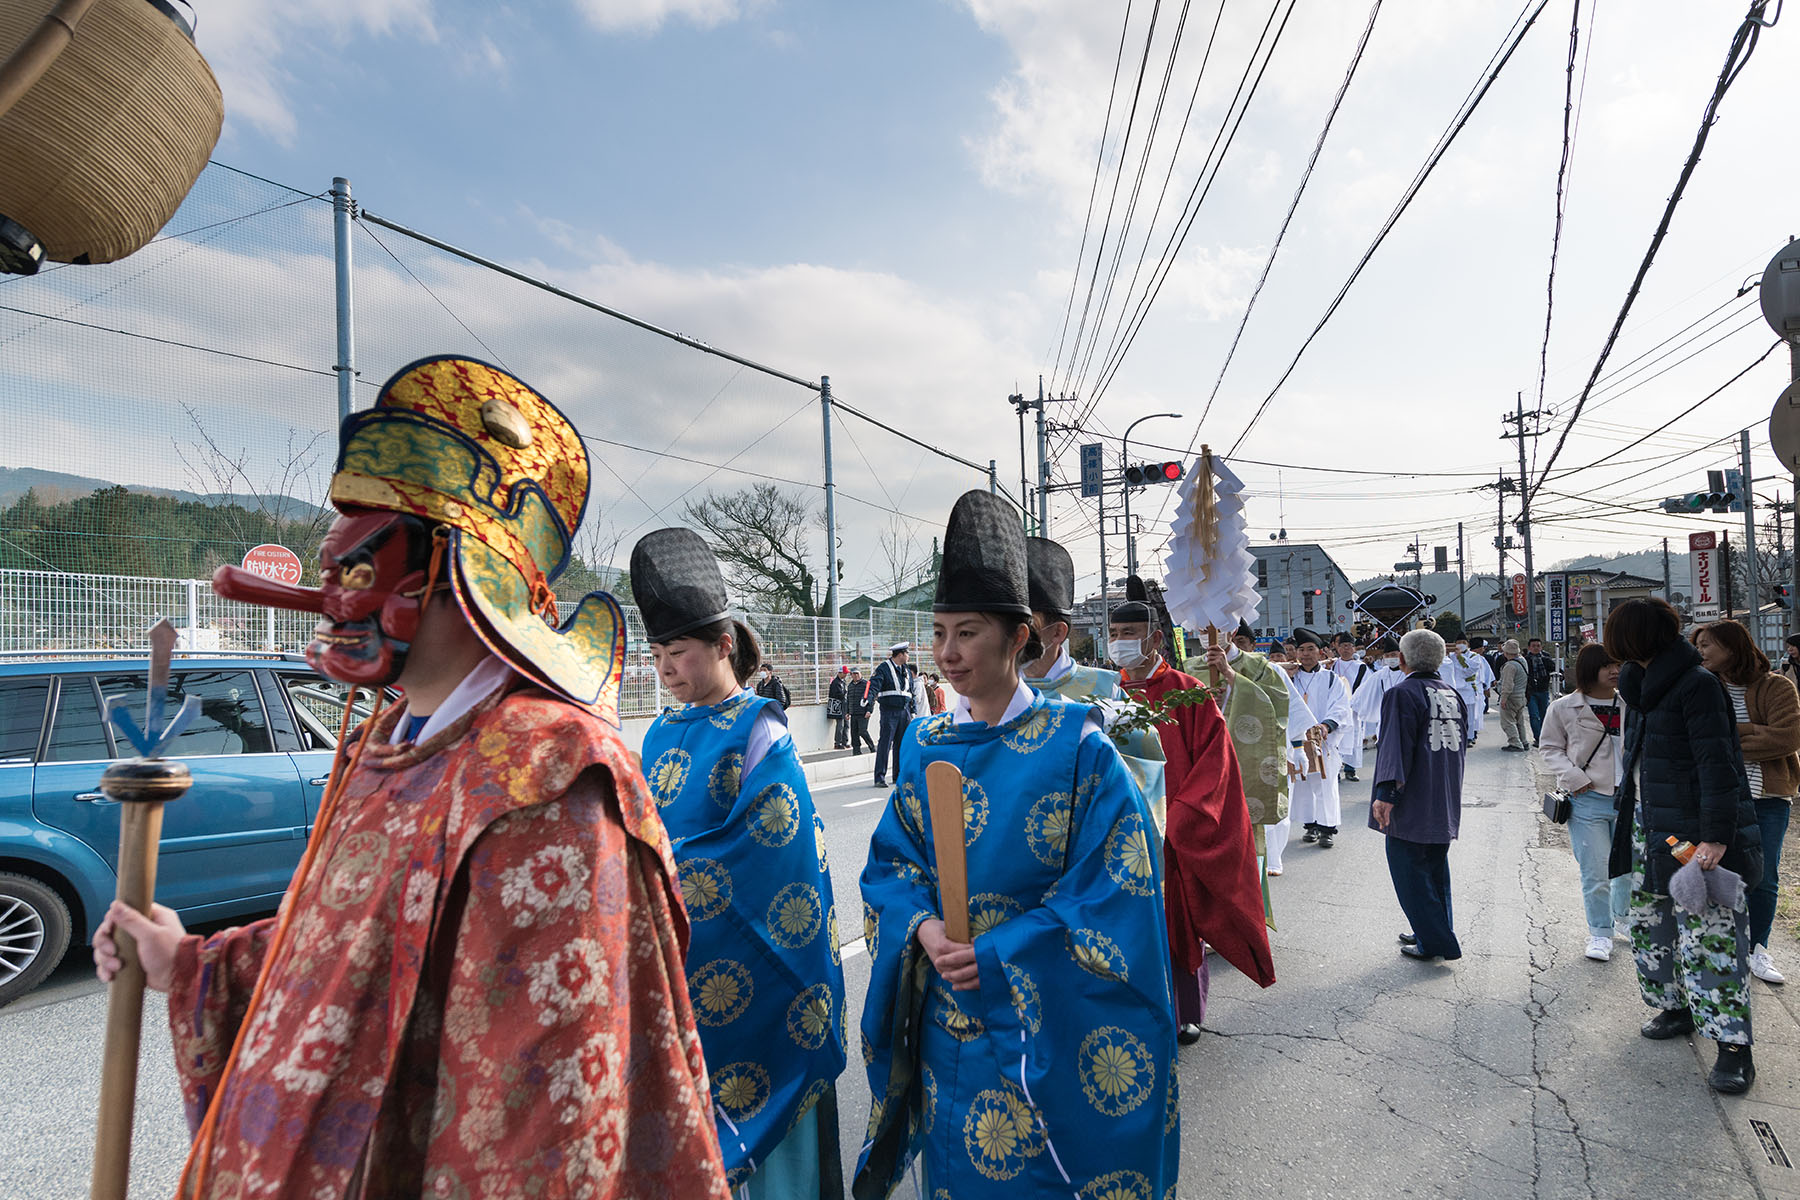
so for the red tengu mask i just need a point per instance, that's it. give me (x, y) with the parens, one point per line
(373, 568)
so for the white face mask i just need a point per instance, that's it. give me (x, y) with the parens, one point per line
(1392, 664)
(1359, 656)
(1127, 652)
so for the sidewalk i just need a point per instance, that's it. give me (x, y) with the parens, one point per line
(1516, 1072)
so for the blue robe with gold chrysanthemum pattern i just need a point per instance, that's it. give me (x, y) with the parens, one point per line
(1140, 748)
(1061, 1062)
(763, 969)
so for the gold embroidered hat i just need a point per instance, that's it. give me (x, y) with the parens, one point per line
(457, 441)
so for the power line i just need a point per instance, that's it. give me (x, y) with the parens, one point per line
(1093, 190)
(1337, 102)
(146, 337)
(1743, 45)
(1438, 151)
(1562, 175)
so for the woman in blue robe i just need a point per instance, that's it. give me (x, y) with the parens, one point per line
(763, 969)
(1038, 1061)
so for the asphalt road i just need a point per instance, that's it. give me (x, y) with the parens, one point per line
(1516, 1072)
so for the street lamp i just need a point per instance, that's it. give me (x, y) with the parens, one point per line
(1125, 453)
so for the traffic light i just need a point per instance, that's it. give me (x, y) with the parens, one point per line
(1724, 493)
(1139, 474)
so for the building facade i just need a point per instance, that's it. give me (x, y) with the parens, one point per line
(1298, 583)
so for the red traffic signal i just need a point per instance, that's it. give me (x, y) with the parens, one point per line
(1139, 474)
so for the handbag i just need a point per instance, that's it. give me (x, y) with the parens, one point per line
(1558, 805)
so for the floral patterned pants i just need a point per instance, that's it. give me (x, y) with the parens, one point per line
(1700, 962)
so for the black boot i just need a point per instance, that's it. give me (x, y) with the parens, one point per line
(1312, 833)
(1325, 836)
(1671, 1023)
(1734, 1072)
(1187, 1035)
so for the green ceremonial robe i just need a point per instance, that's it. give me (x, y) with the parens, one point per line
(1256, 713)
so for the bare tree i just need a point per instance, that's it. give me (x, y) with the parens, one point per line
(760, 534)
(903, 559)
(299, 521)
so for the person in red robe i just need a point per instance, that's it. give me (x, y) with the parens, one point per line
(1212, 892)
(475, 985)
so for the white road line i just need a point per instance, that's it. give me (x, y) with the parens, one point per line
(851, 949)
(860, 803)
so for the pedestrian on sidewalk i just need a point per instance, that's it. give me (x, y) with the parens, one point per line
(1768, 716)
(1418, 793)
(862, 703)
(934, 692)
(1580, 744)
(1539, 668)
(837, 708)
(1683, 778)
(1038, 1059)
(762, 964)
(770, 687)
(1513, 680)
(1790, 662)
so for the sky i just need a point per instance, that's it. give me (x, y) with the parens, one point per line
(895, 195)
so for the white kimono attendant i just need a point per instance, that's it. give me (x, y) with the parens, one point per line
(1366, 700)
(1313, 800)
(1300, 719)
(1355, 673)
(1471, 676)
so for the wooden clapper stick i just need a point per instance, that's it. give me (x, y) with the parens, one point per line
(944, 789)
(141, 786)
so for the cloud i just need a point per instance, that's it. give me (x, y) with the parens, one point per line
(246, 41)
(648, 16)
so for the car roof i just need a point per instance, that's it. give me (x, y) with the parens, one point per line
(65, 662)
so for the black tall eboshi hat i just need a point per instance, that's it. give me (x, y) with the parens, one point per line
(984, 566)
(676, 582)
(1136, 608)
(1052, 578)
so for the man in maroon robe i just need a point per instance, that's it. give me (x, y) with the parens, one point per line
(1213, 887)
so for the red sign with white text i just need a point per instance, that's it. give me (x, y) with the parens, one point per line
(1703, 562)
(273, 562)
(1518, 594)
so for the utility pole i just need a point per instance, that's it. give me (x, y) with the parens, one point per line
(831, 541)
(1020, 404)
(1500, 528)
(1752, 583)
(1666, 595)
(343, 208)
(1462, 606)
(1105, 600)
(1520, 432)
(1043, 451)
(1725, 561)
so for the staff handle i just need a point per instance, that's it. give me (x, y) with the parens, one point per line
(141, 786)
(1212, 641)
(944, 790)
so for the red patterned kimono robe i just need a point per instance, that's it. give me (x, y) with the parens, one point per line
(481, 994)
(1212, 890)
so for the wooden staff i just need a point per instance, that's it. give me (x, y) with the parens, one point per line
(944, 788)
(1212, 641)
(141, 786)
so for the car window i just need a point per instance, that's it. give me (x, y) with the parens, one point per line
(319, 703)
(230, 720)
(21, 718)
(77, 734)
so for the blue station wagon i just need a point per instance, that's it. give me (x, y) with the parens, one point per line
(260, 751)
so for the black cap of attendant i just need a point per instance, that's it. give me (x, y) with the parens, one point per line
(1136, 609)
(984, 565)
(1303, 636)
(1244, 630)
(1052, 578)
(676, 582)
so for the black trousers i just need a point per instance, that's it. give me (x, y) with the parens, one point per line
(840, 733)
(894, 718)
(859, 733)
(1421, 875)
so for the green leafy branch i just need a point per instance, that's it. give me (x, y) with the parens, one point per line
(1137, 713)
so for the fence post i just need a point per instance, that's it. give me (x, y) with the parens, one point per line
(270, 614)
(193, 614)
(342, 207)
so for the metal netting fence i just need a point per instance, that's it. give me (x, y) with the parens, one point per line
(173, 410)
(51, 611)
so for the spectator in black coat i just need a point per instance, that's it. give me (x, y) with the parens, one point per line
(769, 684)
(1683, 777)
(862, 703)
(837, 708)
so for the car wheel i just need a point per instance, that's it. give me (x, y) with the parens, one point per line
(34, 933)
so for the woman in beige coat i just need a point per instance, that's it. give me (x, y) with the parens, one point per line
(1580, 743)
(1768, 715)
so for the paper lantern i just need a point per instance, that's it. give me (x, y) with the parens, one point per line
(97, 154)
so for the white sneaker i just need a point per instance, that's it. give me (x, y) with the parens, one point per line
(1763, 967)
(1622, 932)
(1599, 949)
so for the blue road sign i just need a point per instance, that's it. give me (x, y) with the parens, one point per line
(1090, 469)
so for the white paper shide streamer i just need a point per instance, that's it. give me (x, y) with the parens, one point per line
(1211, 573)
